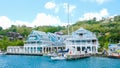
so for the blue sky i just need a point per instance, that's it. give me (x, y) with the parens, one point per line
(54, 12)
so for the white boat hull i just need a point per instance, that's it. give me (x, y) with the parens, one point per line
(58, 58)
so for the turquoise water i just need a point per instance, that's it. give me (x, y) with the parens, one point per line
(15, 61)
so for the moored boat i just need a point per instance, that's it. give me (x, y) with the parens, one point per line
(58, 57)
(2, 53)
(114, 51)
(52, 54)
(114, 55)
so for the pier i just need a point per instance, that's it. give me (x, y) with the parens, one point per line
(73, 57)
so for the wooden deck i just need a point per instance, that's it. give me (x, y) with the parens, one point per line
(71, 57)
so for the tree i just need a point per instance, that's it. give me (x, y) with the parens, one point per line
(13, 28)
(1, 28)
(117, 18)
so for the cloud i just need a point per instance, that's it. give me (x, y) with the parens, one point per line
(71, 7)
(44, 19)
(97, 1)
(97, 15)
(50, 5)
(40, 20)
(58, 7)
(5, 22)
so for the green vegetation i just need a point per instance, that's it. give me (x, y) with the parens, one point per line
(107, 31)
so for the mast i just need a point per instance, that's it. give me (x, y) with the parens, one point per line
(68, 22)
(68, 18)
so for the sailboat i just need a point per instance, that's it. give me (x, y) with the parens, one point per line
(61, 55)
(2, 53)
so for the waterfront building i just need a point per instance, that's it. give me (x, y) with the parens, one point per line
(82, 42)
(113, 47)
(114, 50)
(79, 42)
(39, 42)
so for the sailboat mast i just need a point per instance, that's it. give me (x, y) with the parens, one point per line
(68, 18)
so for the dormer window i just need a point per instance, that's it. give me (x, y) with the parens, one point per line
(88, 41)
(94, 41)
(81, 34)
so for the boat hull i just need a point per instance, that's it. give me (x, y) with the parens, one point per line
(118, 57)
(58, 58)
(114, 55)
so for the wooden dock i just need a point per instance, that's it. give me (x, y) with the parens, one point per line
(99, 55)
(73, 57)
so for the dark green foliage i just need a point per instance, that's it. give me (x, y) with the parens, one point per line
(1, 28)
(117, 18)
(51, 29)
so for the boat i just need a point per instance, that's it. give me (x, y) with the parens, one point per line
(2, 53)
(58, 57)
(114, 55)
(52, 54)
(114, 51)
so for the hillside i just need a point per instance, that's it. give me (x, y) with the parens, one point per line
(107, 31)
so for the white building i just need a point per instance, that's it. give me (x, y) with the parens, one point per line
(113, 47)
(39, 42)
(82, 41)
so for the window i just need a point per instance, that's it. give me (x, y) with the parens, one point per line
(94, 41)
(88, 41)
(78, 48)
(81, 34)
(89, 48)
(34, 48)
(38, 42)
(31, 48)
(83, 41)
(83, 48)
(39, 48)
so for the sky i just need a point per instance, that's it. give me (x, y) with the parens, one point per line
(54, 12)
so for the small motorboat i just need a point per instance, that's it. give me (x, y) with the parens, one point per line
(114, 55)
(58, 57)
(2, 53)
(51, 54)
